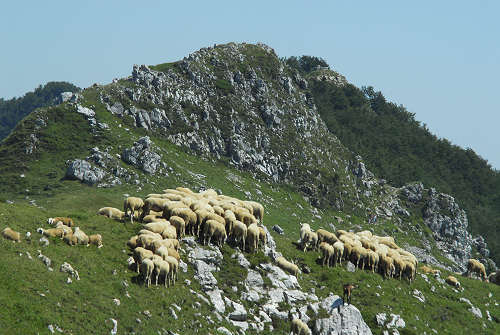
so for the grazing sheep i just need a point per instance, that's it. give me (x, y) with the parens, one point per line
(81, 237)
(67, 221)
(338, 252)
(146, 269)
(257, 210)
(112, 213)
(245, 217)
(358, 254)
(399, 265)
(174, 268)
(170, 206)
(427, 269)
(239, 233)
(311, 238)
(10, 234)
(149, 232)
(52, 232)
(299, 327)
(304, 227)
(218, 210)
(67, 230)
(287, 266)
(140, 254)
(229, 217)
(70, 240)
(326, 236)
(152, 218)
(95, 239)
(190, 218)
(475, 266)
(262, 236)
(132, 242)
(169, 232)
(172, 252)
(156, 204)
(327, 253)
(162, 268)
(452, 281)
(214, 228)
(386, 266)
(134, 204)
(185, 190)
(157, 227)
(372, 260)
(179, 224)
(167, 243)
(347, 250)
(253, 233)
(409, 271)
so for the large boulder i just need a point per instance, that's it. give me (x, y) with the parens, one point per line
(142, 156)
(83, 171)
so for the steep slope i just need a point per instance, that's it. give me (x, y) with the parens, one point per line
(257, 136)
(400, 149)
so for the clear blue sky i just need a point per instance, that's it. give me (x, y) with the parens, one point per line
(440, 59)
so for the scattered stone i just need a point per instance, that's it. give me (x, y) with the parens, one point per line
(66, 267)
(224, 331)
(254, 279)
(350, 267)
(419, 295)
(141, 156)
(217, 301)
(44, 241)
(44, 259)
(278, 229)
(172, 312)
(114, 331)
(116, 301)
(84, 171)
(147, 313)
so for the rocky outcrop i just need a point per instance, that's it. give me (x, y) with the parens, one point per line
(84, 171)
(142, 156)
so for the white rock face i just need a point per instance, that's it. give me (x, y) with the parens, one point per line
(348, 322)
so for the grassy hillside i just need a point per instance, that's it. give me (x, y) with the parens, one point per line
(398, 148)
(31, 297)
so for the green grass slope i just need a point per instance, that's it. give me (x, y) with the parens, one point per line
(31, 297)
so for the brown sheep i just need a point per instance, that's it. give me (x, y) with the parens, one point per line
(253, 238)
(179, 224)
(327, 253)
(287, 266)
(452, 281)
(475, 266)
(326, 236)
(67, 221)
(95, 239)
(112, 213)
(10, 234)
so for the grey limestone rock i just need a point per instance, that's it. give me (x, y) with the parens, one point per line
(254, 279)
(216, 299)
(141, 156)
(83, 171)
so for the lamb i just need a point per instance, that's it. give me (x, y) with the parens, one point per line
(95, 239)
(452, 281)
(326, 236)
(179, 224)
(81, 237)
(239, 233)
(10, 234)
(287, 266)
(146, 269)
(140, 254)
(473, 265)
(67, 221)
(299, 327)
(327, 253)
(253, 238)
(134, 204)
(112, 213)
(52, 232)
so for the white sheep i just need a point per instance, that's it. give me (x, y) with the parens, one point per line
(80, 236)
(95, 239)
(327, 252)
(326, 236)
(112, 213)
(299, 327)
(174, 268)
(133, 204)
(253, 234)
(338, 252)
(309, 238)
(475, 266)
(146, 269)
(239, 233)
(140, 254)
(287, 266)
(161, 268)
(51, 232)
(179, 224)
(67, 221)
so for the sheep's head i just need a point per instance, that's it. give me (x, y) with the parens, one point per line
(40, 230)
(50, 220)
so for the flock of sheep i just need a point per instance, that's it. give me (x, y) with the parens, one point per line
(63, 229)
(363, 249)
(167, 217)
